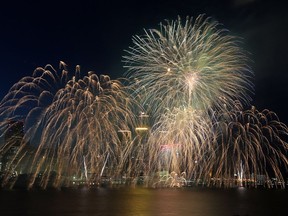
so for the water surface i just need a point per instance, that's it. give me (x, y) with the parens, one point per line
(145, 202)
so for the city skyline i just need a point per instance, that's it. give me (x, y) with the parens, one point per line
(191, 78)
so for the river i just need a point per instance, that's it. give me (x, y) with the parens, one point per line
(145, 202)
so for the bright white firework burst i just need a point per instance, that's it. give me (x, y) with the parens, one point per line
(193, 64)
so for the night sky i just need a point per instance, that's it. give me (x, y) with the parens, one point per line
(94, 34)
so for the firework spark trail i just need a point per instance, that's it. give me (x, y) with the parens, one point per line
(178, 142)
(195, 64)
(181, 71)
(252, 142)
(81, 121)
(191, 79)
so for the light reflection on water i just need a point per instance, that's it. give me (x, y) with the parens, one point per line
(145, 202)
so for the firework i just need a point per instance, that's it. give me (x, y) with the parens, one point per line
(178, 143)
(189, 81)
(194, 64)
(252, 147)
(193, 79)
(74, 135)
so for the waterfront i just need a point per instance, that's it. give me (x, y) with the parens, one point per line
(145, 202)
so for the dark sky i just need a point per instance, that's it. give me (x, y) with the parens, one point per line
(94, 34)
